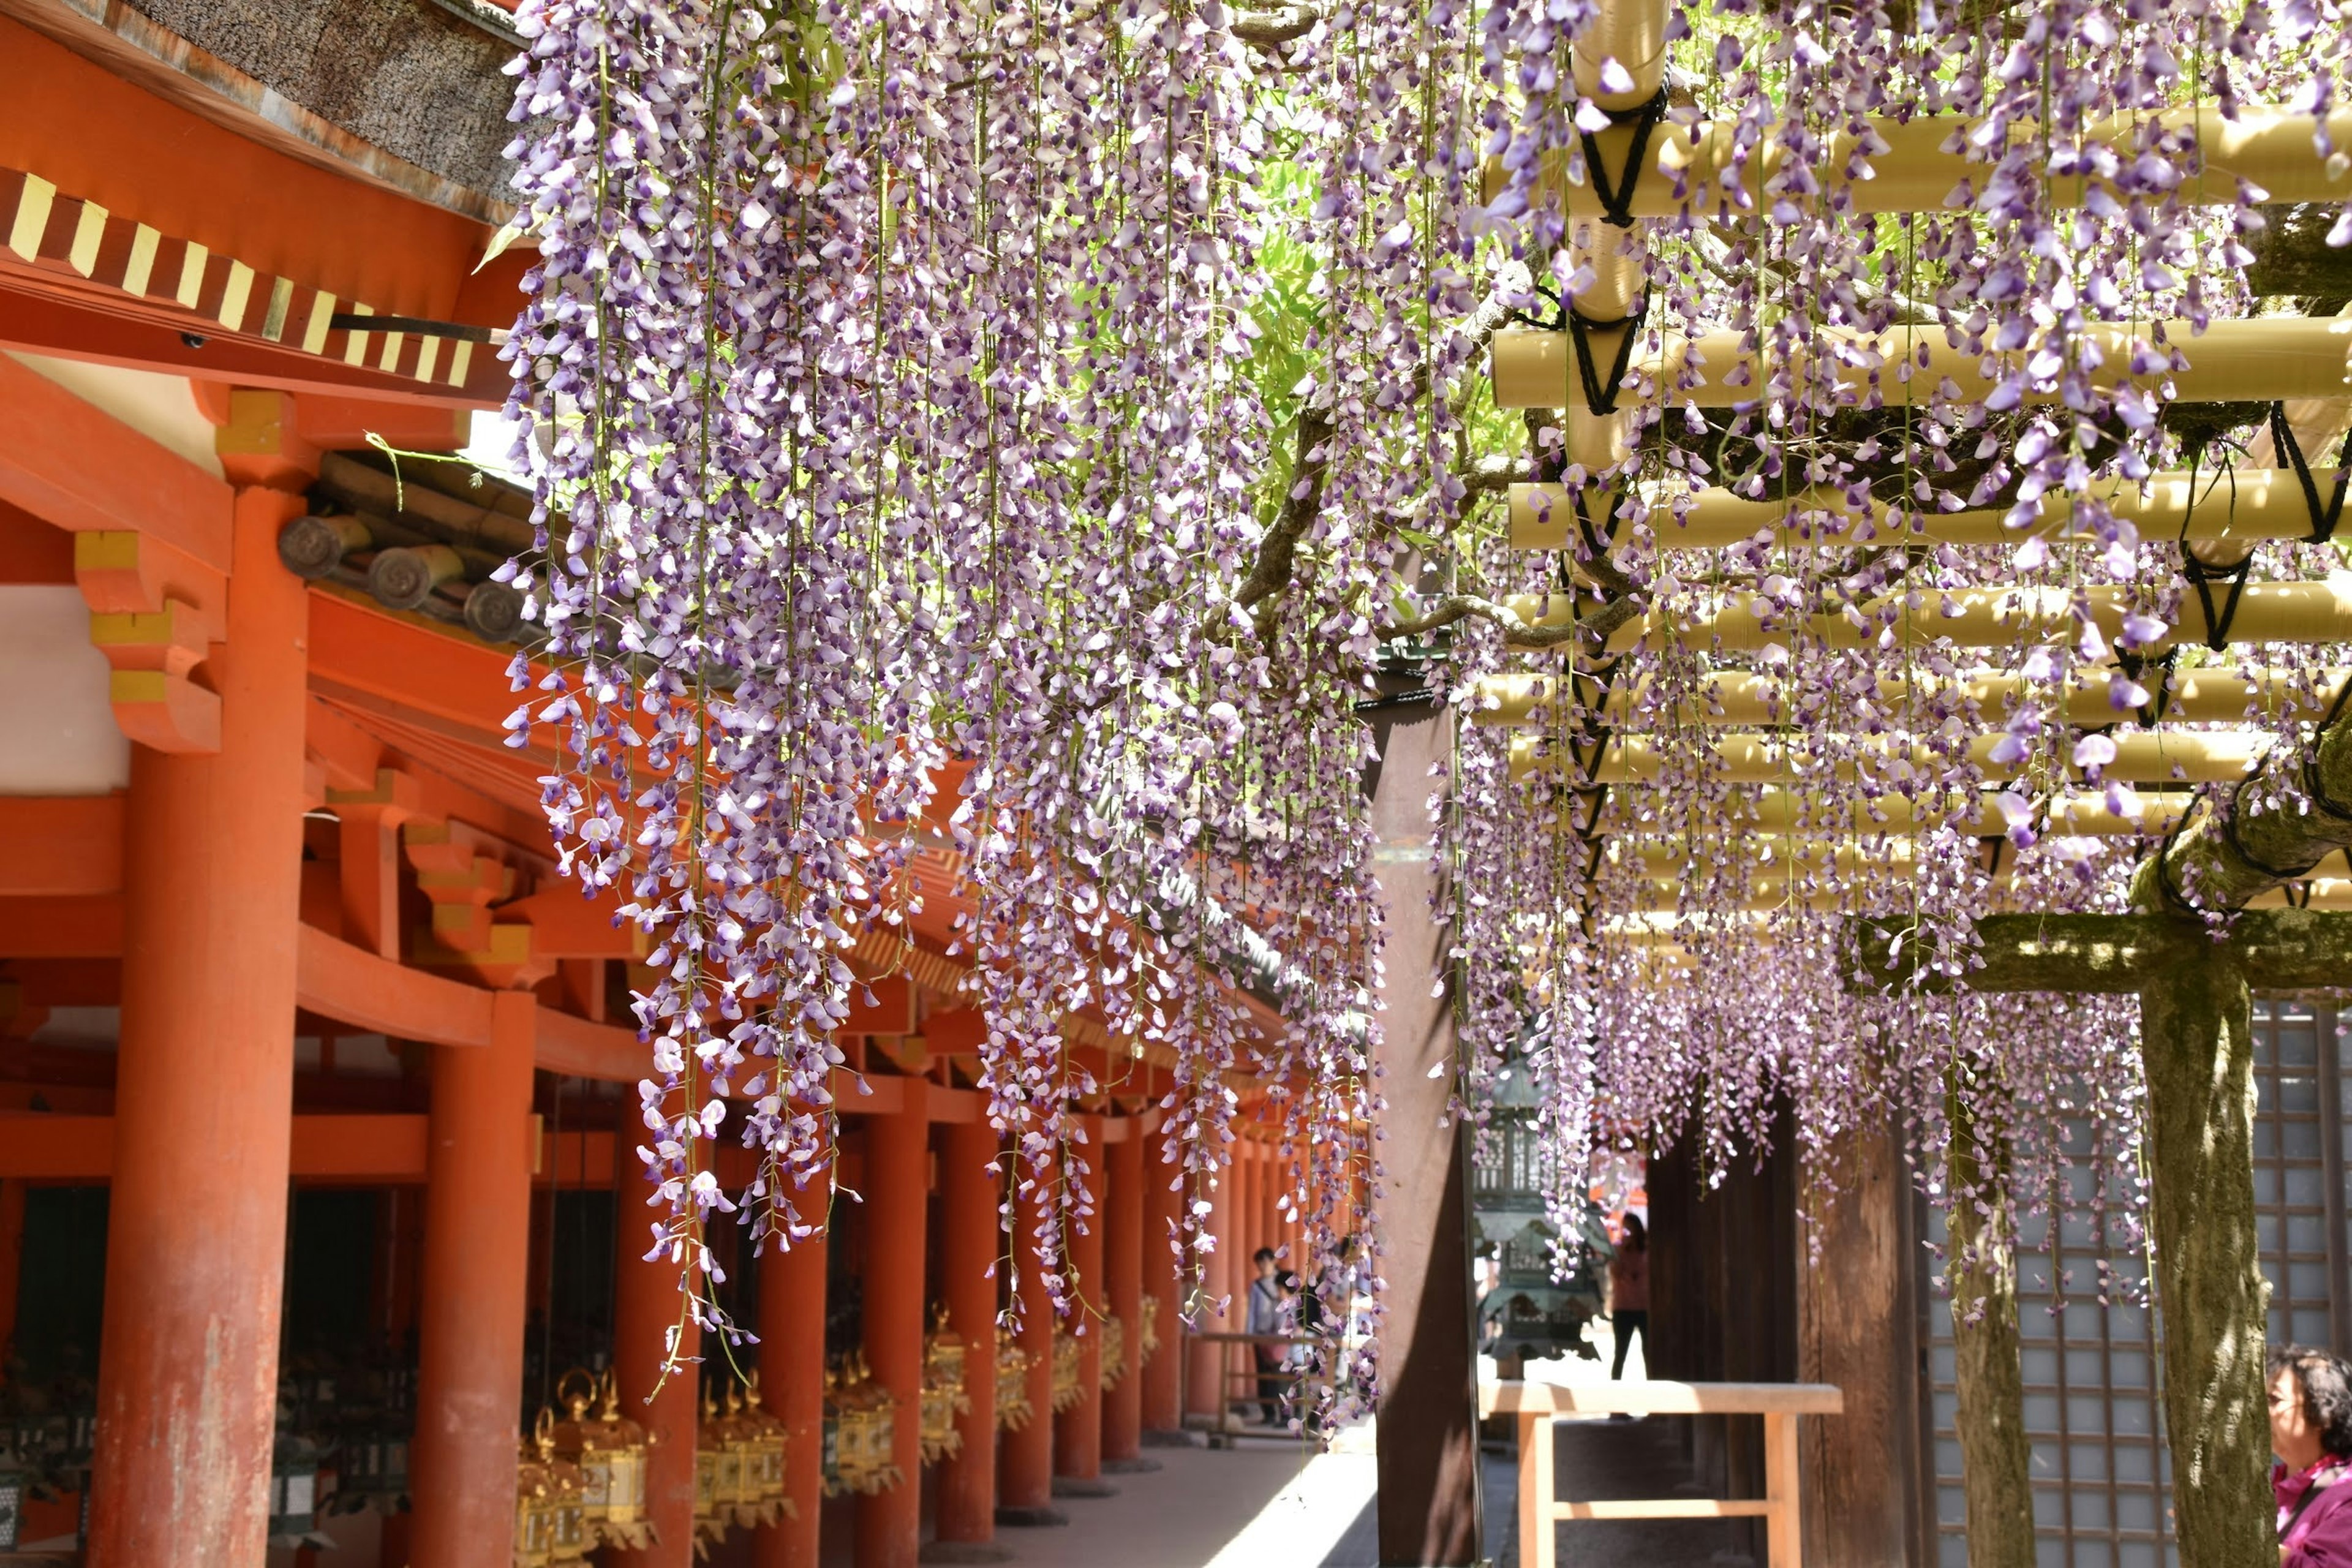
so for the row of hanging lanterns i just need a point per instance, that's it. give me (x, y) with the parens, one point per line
(944, 1398)
(863, 1418)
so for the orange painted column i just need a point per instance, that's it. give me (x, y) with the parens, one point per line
(1024, 1458)
(1163, 1198)
(1077, 1431)
(898, 1186)
(203, 1096)
(478, 1172)
(1204, 1383)
(1269, 1201)
(791, 1384)
(12, 1262)
(970, 1241)
(1123, 1250)
(646, 1307)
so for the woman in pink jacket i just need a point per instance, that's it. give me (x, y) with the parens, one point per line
(2311, 1433)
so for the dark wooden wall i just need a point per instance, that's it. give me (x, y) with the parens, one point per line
(1736, 1296)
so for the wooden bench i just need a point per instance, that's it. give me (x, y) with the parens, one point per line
(1539, 1404)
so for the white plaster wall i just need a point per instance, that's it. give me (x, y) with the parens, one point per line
(57, 735)
(161, 407)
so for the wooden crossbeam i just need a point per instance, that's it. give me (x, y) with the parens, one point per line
(1971, 618)
(1734, 697)
(2273, 148)
(2285, 950)
(2245, 504)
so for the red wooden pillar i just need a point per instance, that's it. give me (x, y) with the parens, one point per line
(791, 1384)
(1077, 1431)
(1204, 1388)
(1123, 1251)
(970, 1241)
(12, 1263)
(1024, 1459)
(897, 1183)
(204, 1096)
(476, 1248)
(1163, 1375)
(646, 1307)
(1269, 1203)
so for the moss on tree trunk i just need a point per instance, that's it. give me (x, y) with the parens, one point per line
(1996, 1460)
(2195, 1038)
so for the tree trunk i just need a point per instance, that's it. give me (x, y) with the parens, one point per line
(2196, 1039)
(1996, 1460)
(2291, 255)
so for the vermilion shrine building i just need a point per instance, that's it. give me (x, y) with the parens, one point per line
(277, 908)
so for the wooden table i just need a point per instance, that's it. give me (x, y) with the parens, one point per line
(1539, 1404)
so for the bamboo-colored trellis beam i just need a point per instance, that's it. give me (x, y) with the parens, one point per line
(2257, 361)
(1979, 617)
(1770, 859)
(1636, 810)
(2188, 757)
(2274, 149)
(1767, 895)
(1728, 697)
(2248, 505)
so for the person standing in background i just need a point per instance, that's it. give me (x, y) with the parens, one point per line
(2311, 1433)
(1266, 1316)
(1628, 1290)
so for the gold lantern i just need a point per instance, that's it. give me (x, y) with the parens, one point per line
(609, 1450)
(563, 1496)
(1065, 1370)
(710, 1457)
(1114, 1353)
(534, 1510)
(866, 1418)
(1013, 1408)
(771, 1444)
(1150, 1329)
(944, 1398)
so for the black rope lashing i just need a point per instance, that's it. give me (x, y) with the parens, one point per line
(1599, 394)
(2323, 518)
(2159, 702)
(1616, 191)
(2202, 578)
(1596, 543)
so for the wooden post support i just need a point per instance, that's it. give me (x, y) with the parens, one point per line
(1122, 1416)
(477, 1238)
(1996, 1459)
(971, 1241)
(1077, 1431)
(1024, 1458)
(2197, 1045)
(1428, 1364)
(1857, 1327)
(204, 1098)
(1538, 1534)
(645, 1308)
(897, 1179)
(791, 1382)
(1163, 1375)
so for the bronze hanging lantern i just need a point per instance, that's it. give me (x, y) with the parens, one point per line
(534, 1509)
(1066, 1392)
(610, 1451)
(1013, 1406)
(770, 1442)
(567, 1536)
(944, 1398)
(1114, 1353)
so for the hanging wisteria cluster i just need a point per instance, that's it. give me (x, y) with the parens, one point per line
(1921, 675)
(1009, 436)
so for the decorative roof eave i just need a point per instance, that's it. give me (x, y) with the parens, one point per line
(144, 52)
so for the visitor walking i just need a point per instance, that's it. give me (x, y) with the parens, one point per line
(1265, 1317)
(1628, 1290)
(2311, 1433)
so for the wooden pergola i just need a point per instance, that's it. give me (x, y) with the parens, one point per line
(2231, 896)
